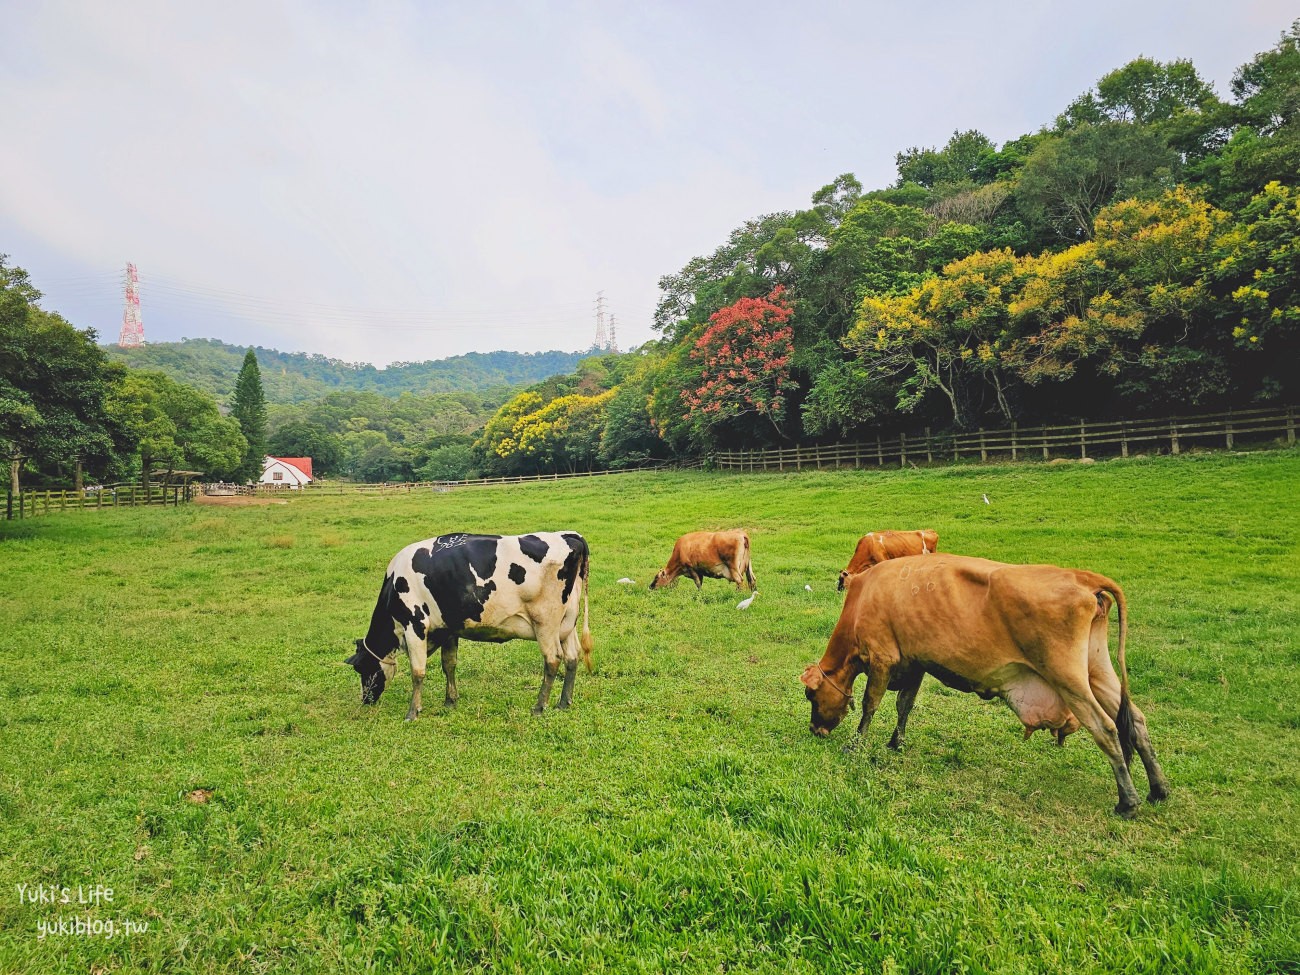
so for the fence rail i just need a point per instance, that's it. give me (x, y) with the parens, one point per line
(1082, 439)
(29, 504)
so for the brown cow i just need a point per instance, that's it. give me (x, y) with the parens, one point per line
(877, 546)
(1034, 635)
(715, 555)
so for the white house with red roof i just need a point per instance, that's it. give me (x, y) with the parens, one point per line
(289, 472)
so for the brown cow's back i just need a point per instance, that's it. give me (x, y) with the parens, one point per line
(876, 547)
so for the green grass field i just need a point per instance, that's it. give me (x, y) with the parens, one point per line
(680, 817)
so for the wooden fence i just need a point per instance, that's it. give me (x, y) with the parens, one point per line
(1082, 439)
(28, 504)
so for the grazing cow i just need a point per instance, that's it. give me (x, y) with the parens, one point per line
(715, 555)
(488, 588)
(878, 546)
(1033, 635)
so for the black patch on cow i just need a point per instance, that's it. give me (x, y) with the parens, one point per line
(575, 563)
(389, 614)
(451, 575)
(401, 585)
(482, 550)
(957, 682)
(533, 547)
(517, 574)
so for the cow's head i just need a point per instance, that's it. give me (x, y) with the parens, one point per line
(374, 673)
(662, 578)
(870, 551)
(831, 696)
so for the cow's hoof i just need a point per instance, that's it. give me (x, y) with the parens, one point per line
(538, 709)
(1159, 795)
(1126, 811)
(853, 745)
(412, 717)
(449, 703)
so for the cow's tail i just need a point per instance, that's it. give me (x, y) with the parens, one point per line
(1124, 719)
(585, 640)
(749, 566)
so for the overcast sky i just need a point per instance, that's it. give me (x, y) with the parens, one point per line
(408, 181)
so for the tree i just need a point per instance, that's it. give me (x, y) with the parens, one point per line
(1266, 145)
(744, 356)
(54, 381)
(178, 427)
(1256, 266)
(1134, 304)
(1067, 180)
(965, 158)
(947, 335)
(1145, 92)
(249, 410)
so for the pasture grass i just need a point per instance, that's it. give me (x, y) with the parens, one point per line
(177, 726)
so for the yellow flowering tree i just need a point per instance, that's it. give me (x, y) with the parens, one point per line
(948, 335)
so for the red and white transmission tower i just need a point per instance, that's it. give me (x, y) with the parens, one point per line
(132, 333)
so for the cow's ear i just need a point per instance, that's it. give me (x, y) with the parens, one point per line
(812, 677)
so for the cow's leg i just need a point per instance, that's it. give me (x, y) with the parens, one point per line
(749, 576)
(1106, 688)
(907, 687)
(449, 645)
(417, 648)
(1078, 695)
(572, 648)
(877, 682)
(552, 651)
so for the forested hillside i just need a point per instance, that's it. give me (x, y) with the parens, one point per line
(1138, 254)
(294, 377)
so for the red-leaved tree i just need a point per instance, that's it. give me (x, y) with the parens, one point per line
(745, 362)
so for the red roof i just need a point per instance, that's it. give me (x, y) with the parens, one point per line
(302, 463)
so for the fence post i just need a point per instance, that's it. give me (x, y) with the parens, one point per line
(929, 447)
(1228, 430)
(1123, 438)
(902, 449)
(880, 453)
(9, 506)
(1044, 441)
(1013, 440)
(1173, 436)
(1083, 440)
(1290, 425)
(984, 454)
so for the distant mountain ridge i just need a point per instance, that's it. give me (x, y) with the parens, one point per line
(294, 377)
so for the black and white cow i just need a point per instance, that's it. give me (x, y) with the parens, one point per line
(489, 588)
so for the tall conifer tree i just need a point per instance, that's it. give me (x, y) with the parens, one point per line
(249, 408)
